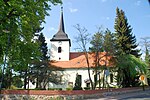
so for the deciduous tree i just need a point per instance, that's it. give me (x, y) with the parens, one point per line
(19, 21)
(83, 39)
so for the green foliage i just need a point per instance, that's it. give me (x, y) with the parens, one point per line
(97, 42)
(86, 88)
(78, 83)
(102, 41)
(146, 48)
(43, 47)
(41, 72)
(134, 64)
(17, 82)
(54, 88)
(19, 21)
(147, 57)
(125, 41)
(77, 88)
(109, 43)
(129, 67)
(126, 47)
(70, 88)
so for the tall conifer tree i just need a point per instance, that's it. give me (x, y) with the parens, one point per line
(43, 47)
(125, 40)
(125, 46)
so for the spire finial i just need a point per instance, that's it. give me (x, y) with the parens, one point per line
(61, 8)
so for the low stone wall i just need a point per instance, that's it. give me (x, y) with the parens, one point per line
(61, 94)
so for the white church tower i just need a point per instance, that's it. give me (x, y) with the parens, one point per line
(60, 43)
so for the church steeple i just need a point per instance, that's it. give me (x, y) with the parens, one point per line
(61, 35)
(60, 43)
(61, 25)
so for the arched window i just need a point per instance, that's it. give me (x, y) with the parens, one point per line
(59, 49)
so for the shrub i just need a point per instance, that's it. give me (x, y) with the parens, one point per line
(69, 88)
(54, 88)
(77, 88)
(86, 88)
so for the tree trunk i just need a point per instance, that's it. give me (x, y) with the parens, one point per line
(87, 60)
(25, 79)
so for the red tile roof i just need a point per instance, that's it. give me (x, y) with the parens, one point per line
(78, 60)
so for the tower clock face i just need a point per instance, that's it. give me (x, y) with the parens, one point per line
(60, 42)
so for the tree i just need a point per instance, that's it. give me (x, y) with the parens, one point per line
(82, 39)
(124, 38)
(134, 67)
(17, 82)
(40, 66)
(43, 47)
(145, 43)
(109, 43)
(78, 83)
(102, 41)
(125, 45)
(41, 71)
(19, 21)
(96, 48)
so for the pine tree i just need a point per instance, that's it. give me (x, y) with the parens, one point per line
(43, 47)
(109, 43)
(125, 39)
(41, 66)
(41, 71)
(125, 46)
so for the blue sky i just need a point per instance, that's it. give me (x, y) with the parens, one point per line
(92, 14)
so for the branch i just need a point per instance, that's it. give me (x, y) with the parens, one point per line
(6, 2)
(10, 14)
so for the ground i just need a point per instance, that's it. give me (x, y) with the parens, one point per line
(139, 95)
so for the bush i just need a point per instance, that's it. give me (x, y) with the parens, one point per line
(86, 88)
(38, 89)
(77, 88)
(69, 88)
(54, 88)
(13, 87)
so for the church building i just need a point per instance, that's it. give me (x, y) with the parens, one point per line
(73, 63)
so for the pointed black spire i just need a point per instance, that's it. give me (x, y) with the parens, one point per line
(61, 35)
(61, 31)
(61, 25)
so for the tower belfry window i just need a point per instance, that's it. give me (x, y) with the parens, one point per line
(59, 50)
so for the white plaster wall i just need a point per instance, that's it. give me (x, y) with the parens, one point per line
(64, 55)
(70, 75)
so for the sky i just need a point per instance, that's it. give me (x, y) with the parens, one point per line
(92, 14)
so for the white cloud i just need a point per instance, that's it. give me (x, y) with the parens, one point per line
(138, 3)
(72, 10)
